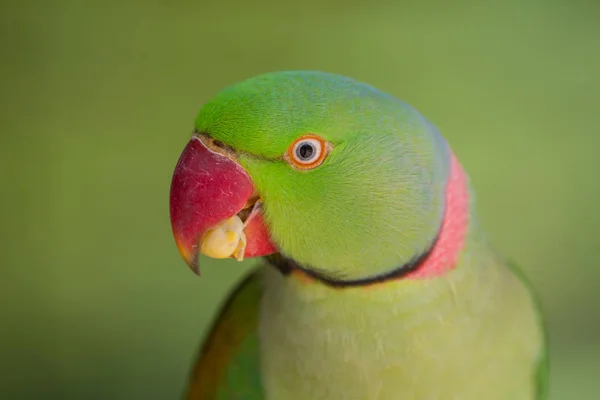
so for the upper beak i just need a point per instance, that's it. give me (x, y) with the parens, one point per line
(214, 207)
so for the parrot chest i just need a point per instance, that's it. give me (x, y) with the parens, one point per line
(455, 337)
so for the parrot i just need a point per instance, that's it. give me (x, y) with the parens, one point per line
(374, 280)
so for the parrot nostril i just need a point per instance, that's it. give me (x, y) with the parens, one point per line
(218, 143)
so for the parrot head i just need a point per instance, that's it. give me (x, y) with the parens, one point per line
(341, 178)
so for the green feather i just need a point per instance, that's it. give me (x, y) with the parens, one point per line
(228, 367)
(543, 364)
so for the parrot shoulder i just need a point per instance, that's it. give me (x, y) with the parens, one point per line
(228, 364)
(542, 370)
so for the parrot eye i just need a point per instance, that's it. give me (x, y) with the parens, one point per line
(307, 152)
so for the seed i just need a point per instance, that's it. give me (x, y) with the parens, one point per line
(225, 240)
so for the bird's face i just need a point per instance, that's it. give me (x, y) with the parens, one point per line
(324, 170)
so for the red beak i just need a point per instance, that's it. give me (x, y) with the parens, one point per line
(209, 187)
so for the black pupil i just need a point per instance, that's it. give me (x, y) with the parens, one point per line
(305, 151)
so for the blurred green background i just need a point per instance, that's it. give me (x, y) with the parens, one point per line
(98, 100)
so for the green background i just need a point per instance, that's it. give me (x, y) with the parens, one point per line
(98, 100)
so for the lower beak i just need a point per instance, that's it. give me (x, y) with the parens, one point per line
(214, 207)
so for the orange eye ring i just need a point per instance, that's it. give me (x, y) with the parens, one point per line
(307, 152)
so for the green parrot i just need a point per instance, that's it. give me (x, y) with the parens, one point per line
(377, 282)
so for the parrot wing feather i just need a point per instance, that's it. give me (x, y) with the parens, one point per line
(542, 371)
(228, 364)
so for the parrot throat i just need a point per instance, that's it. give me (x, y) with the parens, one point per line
(439, 257)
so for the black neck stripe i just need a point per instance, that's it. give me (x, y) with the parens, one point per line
(287, 265)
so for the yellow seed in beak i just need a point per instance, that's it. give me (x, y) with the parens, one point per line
(225, 240)
(231, 236)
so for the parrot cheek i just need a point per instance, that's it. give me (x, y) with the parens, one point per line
(214, 207)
